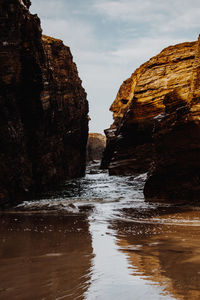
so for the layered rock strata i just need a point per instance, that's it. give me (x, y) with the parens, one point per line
(157, 124)
(175, 172)
(43, 107)
(138, 103)
(95, 146)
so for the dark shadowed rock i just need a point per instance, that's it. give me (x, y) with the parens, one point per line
(176, 166)
(43, 107)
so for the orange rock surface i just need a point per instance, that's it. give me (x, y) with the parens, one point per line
(175, 171)
(148, 85)
(156, 124)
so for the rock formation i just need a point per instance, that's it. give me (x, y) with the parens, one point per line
(157, 124)
(95, 146)
(138, 102)
(43, 107)
(175, 172)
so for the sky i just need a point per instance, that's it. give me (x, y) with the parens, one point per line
(109, 39)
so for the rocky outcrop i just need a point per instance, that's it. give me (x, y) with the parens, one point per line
(139, 102)
(95, 146)
(43, 107)
(65, 106)
(157, 124)
(175, 172)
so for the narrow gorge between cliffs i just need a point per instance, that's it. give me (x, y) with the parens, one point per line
(85, 215)
(97, 238)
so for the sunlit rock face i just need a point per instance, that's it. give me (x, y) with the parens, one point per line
(139, 102)
(43, 107)
(175, 172)
(157, 128)
(95, 146)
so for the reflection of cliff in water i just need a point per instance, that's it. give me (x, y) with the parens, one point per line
(44, 256)
(97, 238)
(165, 250)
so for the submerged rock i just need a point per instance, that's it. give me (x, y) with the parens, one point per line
(43, 107)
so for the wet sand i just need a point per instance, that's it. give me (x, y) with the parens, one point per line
(97, 238)
(44, 256)
(165, 250)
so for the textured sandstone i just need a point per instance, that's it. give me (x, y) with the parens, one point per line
(176, 165)
(148, 85)
(95, 146)
(157, 124)
(43, 107)
(139, 101)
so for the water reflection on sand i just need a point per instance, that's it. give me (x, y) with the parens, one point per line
(165, 250)
(97, 238)
(44, 257)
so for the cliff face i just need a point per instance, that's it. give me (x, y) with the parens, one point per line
(65, 110)
(95, 146)
(139, 101)
(175, 172)
(43, 107)
(157, 124)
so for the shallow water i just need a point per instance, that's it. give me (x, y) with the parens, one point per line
(96, 238)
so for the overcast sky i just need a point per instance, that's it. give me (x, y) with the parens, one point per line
(110, 39)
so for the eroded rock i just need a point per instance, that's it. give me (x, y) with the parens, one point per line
(43, 107)
(175, 172)
(157, 128)
(139, 102)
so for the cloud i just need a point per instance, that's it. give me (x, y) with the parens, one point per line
(57, 20)
(48, 9)
(134, 11)
(137, 51)
(77, 35)
(168, 15)
(187, 17)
